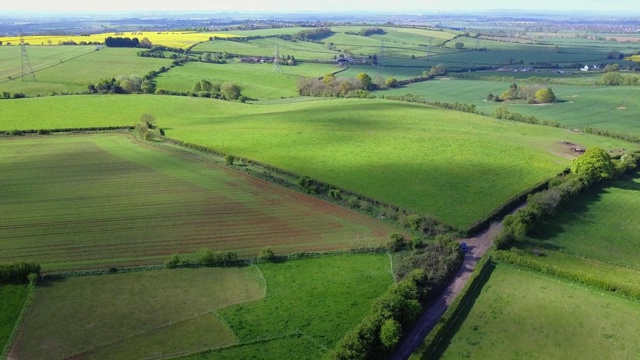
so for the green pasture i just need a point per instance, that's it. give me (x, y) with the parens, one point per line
(319, 298)
(108, 316)
(258, 81)
(12, 300)
(572, 77)
(182, 311)
(378, 73)
(268, 32)
(414, 36)
(40, 57)
(600, 225)
(74, 74)
(299, 347)
(433, 157)
(523, 315)
(626, 276)
(107, 200)
(614, 108)
(301, 50)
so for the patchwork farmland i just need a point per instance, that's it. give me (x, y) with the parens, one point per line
(108, 200)
(196, 198)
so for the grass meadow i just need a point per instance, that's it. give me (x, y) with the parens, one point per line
(13, 298)
(139, 314)
(62, 73)
(614, 108)
(40, 58)
(301, 50)
(524, 315)
(298, 346)
(106, 200)
(319, 305)
(601, 225)
(433, 157)
(158, 313)
(258, 81)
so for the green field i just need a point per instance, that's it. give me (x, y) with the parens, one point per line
(144, 314)
(40, 58)
(107, 200)
(299, 346)
(600, 225)
(613, 108)
(108, 316)
(13, 298)
(301, 50)
(523, 315)
(258, 81)
(64, 71)
(433, 157)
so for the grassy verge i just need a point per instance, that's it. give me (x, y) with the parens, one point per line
(459, 308)
(11, 308)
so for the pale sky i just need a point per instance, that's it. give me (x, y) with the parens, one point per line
(622, 7)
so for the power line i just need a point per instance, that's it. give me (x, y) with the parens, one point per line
(26, 64)
(276, 61)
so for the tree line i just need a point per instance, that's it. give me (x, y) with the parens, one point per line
(368, 32)
(19, 273)
(426, 272)
(588, 170)
(127, 42)
(535, 94)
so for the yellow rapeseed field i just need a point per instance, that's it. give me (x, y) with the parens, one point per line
(176, 39)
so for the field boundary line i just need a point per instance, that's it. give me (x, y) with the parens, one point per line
(221, 347)
(312, 339)
(224, 321)
(166, 325)
(264, 280)
(393, 274)
(14, 331)
(170, 324)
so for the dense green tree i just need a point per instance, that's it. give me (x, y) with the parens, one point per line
(595, 164)
(392, 82)
(390, 333)
(611, 68)
(545, 96)
(365, 80)
(145, 43)
(230, 91)
(459, 45)
(266, 254)
(612, 79)
(328, 79)
(438, 70)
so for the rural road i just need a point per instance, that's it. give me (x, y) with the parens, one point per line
(477, 246)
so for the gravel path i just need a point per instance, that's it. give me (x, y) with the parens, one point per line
(477, 246)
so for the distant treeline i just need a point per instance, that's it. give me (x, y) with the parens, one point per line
(368, 32)
(121, 42)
